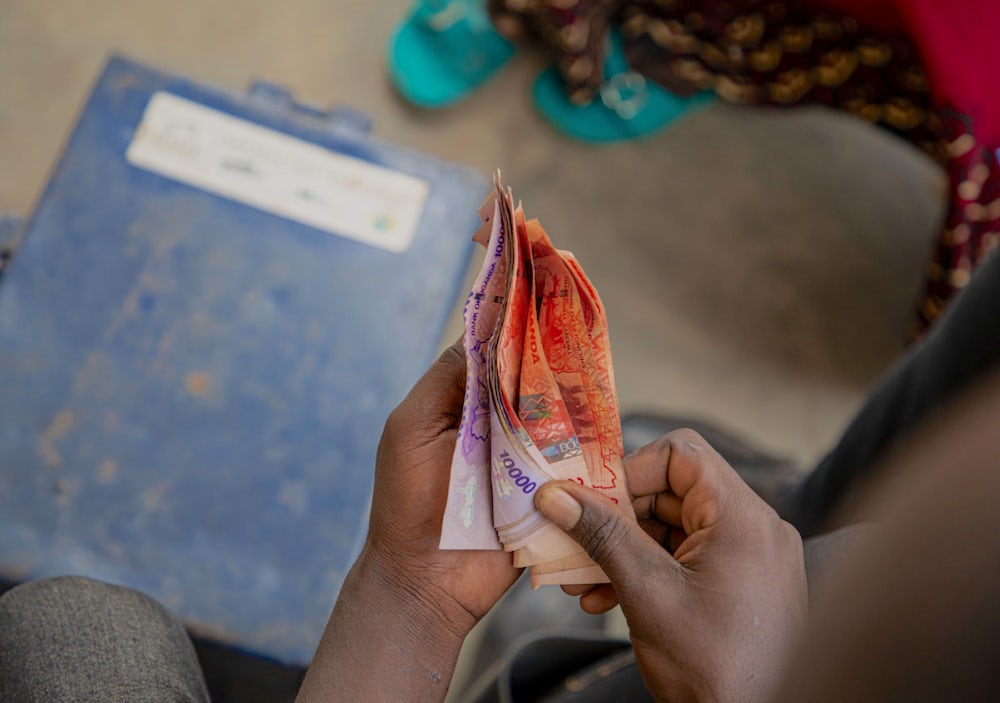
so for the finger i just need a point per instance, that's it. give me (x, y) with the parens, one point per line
(611, 537)
(577, 589)
(599, 600)
(672, 463)
(665, 507)
(435, 401)
(449, 369)
(683, 464)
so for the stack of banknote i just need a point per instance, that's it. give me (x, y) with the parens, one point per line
(540, 400)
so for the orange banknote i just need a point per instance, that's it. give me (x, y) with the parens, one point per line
(540, 400)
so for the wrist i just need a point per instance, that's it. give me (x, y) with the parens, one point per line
(385, 641)
(416, 598)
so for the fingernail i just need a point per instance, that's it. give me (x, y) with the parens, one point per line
(559, 507)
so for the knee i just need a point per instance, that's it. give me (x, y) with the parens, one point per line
(73, 636)
(57, 586)
(75, 598)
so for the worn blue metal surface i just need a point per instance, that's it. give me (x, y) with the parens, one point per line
(191, 389)
(10, 229)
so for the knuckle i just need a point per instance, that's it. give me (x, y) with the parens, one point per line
(661, 445)
(685, 441)
(454, 355)
(790, 534)
(780, 536)
(398, 422)
(393, 421)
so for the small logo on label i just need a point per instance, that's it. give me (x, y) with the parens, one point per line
(384, 223)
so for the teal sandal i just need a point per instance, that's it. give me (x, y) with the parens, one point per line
(628, 105)
(443, 50)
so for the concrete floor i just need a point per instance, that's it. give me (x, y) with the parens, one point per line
(759, 268)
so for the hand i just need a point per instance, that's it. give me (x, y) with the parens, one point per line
(711, 580)
(406, 606)
(411, 488)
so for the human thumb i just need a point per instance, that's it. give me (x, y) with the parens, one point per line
(609, 534)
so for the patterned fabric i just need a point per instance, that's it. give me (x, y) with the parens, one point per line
(973, 217)
(772, 52)
(572, 31)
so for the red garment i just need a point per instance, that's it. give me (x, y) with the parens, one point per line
(958, 42)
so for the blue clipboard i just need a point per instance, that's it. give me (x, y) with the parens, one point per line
(193, 382)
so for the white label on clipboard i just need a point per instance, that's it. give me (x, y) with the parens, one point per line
(277, 173)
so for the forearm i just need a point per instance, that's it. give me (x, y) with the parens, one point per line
(383, 642)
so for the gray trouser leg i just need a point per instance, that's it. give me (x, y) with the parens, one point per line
(961, 349)
(74, 639)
